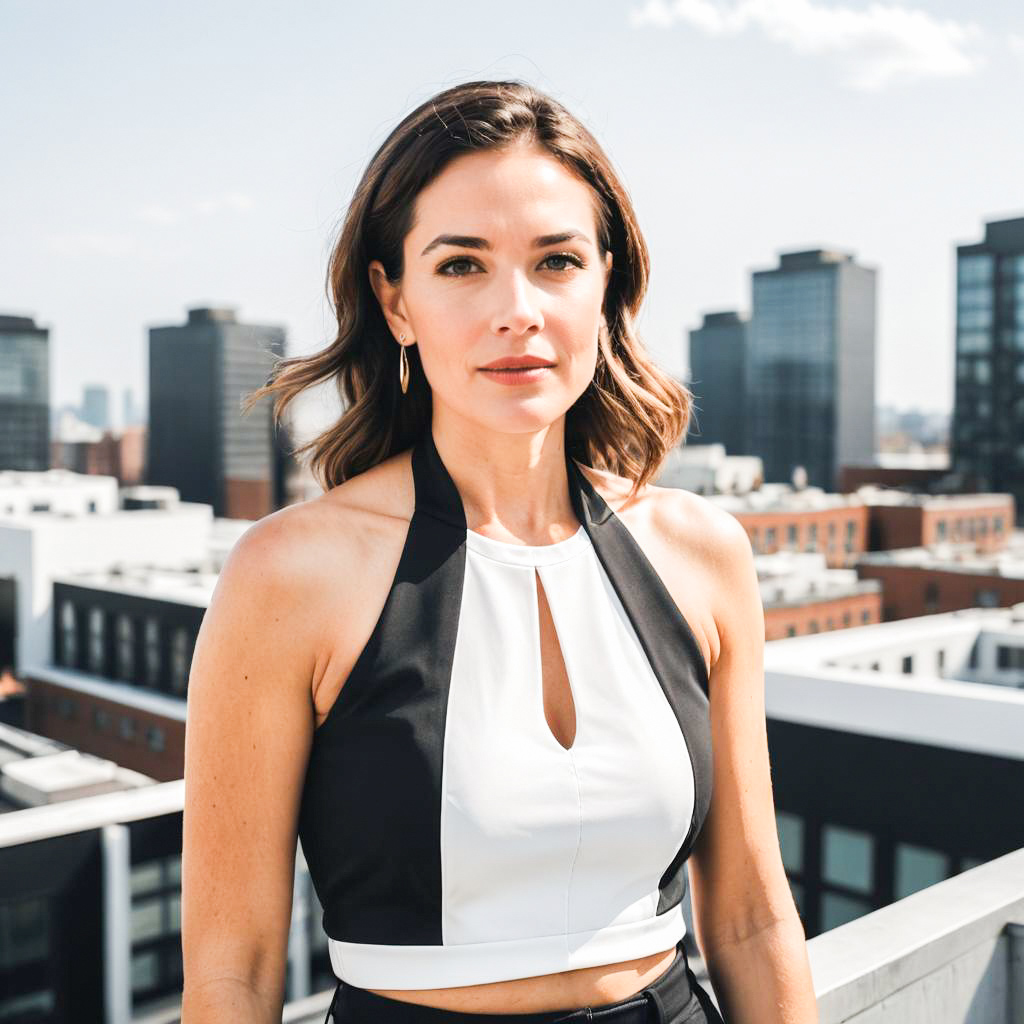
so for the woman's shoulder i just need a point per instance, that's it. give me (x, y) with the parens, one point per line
(371, 505)
(349, 519)
(673, 513)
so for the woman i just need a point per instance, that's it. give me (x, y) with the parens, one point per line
(481, 677)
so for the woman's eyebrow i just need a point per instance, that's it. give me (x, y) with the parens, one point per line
(474, 242)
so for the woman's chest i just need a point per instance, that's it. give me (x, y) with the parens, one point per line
(553, 710)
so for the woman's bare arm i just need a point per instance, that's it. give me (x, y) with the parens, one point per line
(248, 731)
(746, 922)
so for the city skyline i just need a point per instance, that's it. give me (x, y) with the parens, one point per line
(206, 157)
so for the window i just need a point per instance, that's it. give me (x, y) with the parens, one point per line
(24, 933)
(67, 708)
(847, 618)
(917, 867)
(1009, 657)
(156, 924)
(181, 659)
(155, 738)
(69, 635)
(986, 597)
(865, 616)
(101, 719)
(974, 269)
(152, 652)
(940, 660)
(791, 840)
(847, 858)
(127, 728)
(940, 529)
(791, 535)
(837, 909)
(931, 596)
(769, 537)
(125, 648)
(96, 640)
(972, 658)
(908, 664)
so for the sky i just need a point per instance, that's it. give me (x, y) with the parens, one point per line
(155, 157)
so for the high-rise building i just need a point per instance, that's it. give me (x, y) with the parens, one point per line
(810, 376)
(24, 394)
(988, 412)
(96, 406)
(199, 441)
(718, 355)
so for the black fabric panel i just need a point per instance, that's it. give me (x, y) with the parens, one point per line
(671, 648)
(370, 816)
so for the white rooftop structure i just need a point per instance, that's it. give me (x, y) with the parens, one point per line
(789, 578)
(872, 494)
(36, 772)
(709, 469)
(58, 492)
(938, 680)
(86, 531)
(779, 498)
(957, 556)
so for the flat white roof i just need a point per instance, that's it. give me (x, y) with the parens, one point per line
(803, 686)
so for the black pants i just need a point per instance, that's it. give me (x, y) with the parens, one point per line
(673, 998)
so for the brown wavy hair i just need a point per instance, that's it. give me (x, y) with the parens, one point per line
(630, 415)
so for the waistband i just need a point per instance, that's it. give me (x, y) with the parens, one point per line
(665, 1001)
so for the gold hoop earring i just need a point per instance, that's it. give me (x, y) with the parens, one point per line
(403, 366)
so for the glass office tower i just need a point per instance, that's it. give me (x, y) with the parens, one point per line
(24, 394)
(718, 353)
(199, 441)
(810, 380)
(988, 411)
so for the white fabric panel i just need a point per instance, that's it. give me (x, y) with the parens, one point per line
(538, 841)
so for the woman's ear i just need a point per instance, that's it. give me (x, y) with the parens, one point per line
(389, 295)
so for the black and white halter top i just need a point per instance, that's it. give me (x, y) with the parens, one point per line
(450, 837)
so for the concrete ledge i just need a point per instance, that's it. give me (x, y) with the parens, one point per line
(961, 921)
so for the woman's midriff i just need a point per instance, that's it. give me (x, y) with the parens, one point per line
(569, 990)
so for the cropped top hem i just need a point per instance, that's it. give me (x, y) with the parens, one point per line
(366, 965)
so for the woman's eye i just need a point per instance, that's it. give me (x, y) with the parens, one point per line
(449, 269)
(444, 268)
(574, 260)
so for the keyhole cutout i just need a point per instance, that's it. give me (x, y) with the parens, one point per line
(559, 709)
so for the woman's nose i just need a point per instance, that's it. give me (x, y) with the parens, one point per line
(518, 308)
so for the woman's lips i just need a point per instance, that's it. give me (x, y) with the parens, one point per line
(517, 374)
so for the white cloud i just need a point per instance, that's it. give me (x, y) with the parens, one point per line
(1016, 42)
(877, 45)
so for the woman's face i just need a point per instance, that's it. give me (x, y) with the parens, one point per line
(482, 282)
